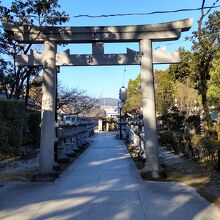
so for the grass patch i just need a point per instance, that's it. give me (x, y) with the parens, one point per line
(197, 181)
(21, 176)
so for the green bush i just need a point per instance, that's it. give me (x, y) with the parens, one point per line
(192, 122)
(3, 132)
(32, 133)
(13, 117)
(178, 142)
(208, 148)
(167, 139)
(173, 121)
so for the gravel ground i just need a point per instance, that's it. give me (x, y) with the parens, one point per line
(19, 170)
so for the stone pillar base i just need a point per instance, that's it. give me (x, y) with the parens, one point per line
(47, 177)
(65, 160)
(149, 175)
(153, 175)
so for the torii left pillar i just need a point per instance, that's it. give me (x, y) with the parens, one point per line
(48, 109)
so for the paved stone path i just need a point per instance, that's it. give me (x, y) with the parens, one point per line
(103, 184)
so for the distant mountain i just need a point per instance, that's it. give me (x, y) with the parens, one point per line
(107, 101)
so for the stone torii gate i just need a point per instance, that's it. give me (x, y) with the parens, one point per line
(50, 59)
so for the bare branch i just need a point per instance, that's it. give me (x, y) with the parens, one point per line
(211, 7)
(73, 100)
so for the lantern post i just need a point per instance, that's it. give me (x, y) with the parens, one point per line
(122, 99)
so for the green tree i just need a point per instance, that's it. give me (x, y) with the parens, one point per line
(213, 93)
(182, 71)
(205, 46)
(164, 91)
(186, 97)
(134, 97)
(30, 12)
(180, 79)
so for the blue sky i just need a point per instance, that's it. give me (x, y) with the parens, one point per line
(105, 81)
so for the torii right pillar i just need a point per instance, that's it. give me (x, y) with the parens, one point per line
(171, 32)
(151, 169)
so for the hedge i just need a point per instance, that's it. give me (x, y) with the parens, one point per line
(13, 117)
(17, 127)
(3, 132)
(32, 133)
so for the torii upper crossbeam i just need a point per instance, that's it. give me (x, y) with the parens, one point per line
(133, 33)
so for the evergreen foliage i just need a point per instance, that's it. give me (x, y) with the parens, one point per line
(13, 119)
(213, 93)
(164, 91)
(15, 80)
(134, 98)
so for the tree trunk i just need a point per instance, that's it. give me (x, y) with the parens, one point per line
(27, 91)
